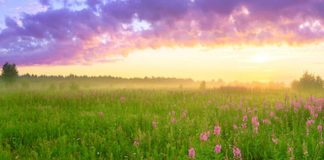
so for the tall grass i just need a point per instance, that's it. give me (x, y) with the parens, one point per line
(158, 124)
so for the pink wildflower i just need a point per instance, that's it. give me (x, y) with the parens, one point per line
(266, 121)
(272, 114)
(309, 122)
(236, 152)
(192, 153)
(255, 121)
(217, 130)
(204, 136)
(218, 148)
(245, 118)
(279, 106)
(296, 104)
(244, 125)
(319, 128)
(255, 124)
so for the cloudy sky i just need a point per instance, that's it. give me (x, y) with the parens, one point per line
(262, 40)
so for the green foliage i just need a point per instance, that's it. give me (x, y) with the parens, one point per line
(308, 82)
(9, 73)
(117, 124)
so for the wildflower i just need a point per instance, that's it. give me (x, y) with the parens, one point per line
(255, 121)
(279, 106)
(307, 106)
(266, 121)
(312, 112)
(309, 122)
(319, 128)
(192, 153)
(315, 115)
(204, 136)
(217, 130)
(255, 124)
(218, 148)
(271, 114)
(256, 129)
(236, 152)
(245, 118)
(296, 104)
(311, 99)
(244, 125)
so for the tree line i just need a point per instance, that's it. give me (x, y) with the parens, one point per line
(9, 75)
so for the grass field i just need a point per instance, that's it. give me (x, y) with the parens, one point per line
(161, 124)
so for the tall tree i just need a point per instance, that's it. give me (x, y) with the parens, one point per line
(9, 73)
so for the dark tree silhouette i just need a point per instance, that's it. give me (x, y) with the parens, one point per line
(308, 82)
(9, 73)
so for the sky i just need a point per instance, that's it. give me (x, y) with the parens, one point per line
(245, 40)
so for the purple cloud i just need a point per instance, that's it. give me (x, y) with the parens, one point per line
(101, 31)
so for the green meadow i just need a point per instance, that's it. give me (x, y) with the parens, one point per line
(77, 123)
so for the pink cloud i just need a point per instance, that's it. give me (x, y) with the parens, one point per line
(104, 30)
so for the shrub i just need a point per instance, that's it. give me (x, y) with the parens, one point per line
(9, 73)
(308, 82)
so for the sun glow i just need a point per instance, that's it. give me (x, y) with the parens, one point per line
(260, 58)
(243, 63)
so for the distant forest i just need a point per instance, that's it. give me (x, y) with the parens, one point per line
(107, 78)
(11, 77)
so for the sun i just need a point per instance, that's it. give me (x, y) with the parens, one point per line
(260, 58)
